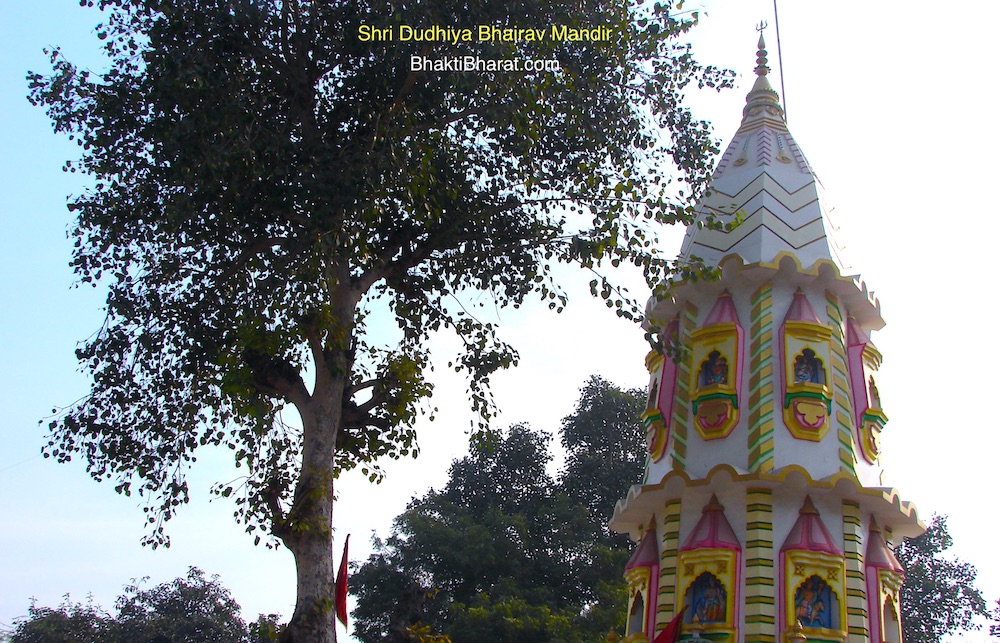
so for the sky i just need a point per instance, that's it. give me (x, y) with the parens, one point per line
(888, 100)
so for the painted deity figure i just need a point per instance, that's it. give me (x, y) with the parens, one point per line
(808, 368)
(812, 600)
(714, 370)
(708, 596)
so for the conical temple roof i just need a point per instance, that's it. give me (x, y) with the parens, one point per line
(856, 336)
(809, 533)
(878, 554)
(723, 312)
(645, 555)
(713, 531)
(801, 309)
(764, 177)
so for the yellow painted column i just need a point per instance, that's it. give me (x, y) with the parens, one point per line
(682, 403)
(760, 439)
(759, 599)
(842, 416)
(666, 601)
(857, 603)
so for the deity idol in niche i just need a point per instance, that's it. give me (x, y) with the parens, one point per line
(708, 596)
(715, 369)
(808, 368)
(812, 603)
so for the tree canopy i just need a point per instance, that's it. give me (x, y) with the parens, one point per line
(261, 174)
(193, 609)
(68, 623)
(504, 552)
(939, 595)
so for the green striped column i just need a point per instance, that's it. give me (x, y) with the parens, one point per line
(841, 390)
(760, 439)
(666, 601)
(682, 403)
(857, 603)
(759, 599)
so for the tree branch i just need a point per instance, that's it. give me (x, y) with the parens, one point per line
(275, 377)
(355, 419)
(356, 388)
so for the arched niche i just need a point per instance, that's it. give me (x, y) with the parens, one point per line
(891, 630)
(806, 352)
(716, 373)
(636, 616)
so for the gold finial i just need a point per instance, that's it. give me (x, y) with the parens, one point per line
(762, 67)
(762, 101)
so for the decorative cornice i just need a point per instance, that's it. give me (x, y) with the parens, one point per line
(789, 268)
(643, 500)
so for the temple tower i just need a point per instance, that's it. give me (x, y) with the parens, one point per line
(762, 517)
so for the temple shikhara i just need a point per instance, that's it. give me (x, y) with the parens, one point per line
(762, 516)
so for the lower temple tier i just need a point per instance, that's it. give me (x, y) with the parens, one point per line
(765, 557)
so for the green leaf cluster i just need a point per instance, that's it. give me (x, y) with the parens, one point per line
(506, 552)
(193, 609)
(939, 594)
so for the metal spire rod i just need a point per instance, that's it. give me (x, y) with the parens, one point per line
(781, 68)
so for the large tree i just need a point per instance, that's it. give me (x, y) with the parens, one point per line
(260, 174)
(503, 552)
(939, 595)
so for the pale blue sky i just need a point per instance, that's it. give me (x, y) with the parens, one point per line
(889, 104)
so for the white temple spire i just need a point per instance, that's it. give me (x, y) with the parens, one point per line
(767, 192)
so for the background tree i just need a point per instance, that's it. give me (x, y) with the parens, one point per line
(995, 619)
(68, 623)
(939, 594)
(194, 609)
(604, 443)
(260, 175)
(506, 553)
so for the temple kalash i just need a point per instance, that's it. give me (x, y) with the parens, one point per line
(763, 516)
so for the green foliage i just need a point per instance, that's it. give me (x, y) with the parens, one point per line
(939, 595)
(504, 552)
(260, 177)
(266, 628)
(602, 441)
(187, 609)
(259, 173)
(68, 623)
(194, 609)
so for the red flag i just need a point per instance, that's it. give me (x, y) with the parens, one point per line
(340, 591)
(672, 632)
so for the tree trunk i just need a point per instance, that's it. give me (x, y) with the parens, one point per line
(314, 619)
(308, 530)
